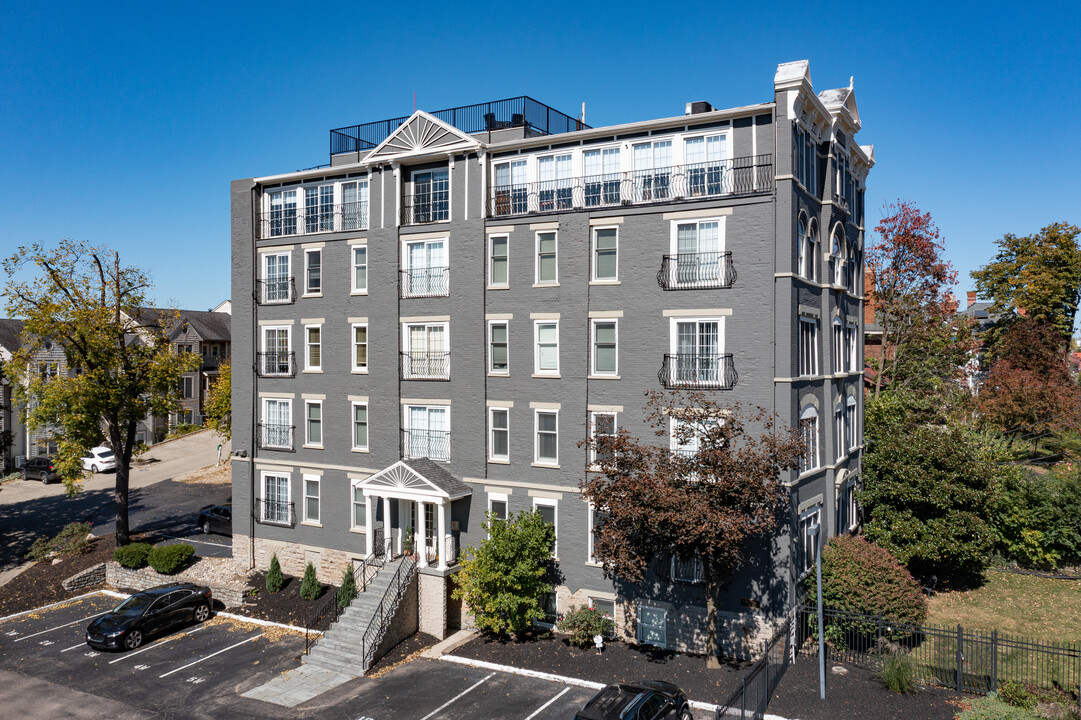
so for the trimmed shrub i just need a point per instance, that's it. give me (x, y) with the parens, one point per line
(72, 540)
(274, 578)
(310, 587)
(133, 556)
(860, 577)
(347, 593)
(168, 559)
(581, 624)
(898, 672)
(1015, 695)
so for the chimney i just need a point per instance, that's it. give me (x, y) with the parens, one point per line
(971, 298)
(699, 106)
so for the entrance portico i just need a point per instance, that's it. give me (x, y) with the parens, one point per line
(423, 491)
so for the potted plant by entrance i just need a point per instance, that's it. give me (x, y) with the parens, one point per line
(407, 542)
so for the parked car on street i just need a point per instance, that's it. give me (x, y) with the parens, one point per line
(99, 459)
(216, 519)
(646, 700)
(150, 612)
(40, 468)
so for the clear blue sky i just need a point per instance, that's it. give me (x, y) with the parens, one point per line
(123, 123)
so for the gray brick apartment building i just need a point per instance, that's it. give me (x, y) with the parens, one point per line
(426, 328)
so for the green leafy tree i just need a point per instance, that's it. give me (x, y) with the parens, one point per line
(1037, 275)
(120, 366)
(505, 578)
(706, 506)
(1037, 521)
(218, 406)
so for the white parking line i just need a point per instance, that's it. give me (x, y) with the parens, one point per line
(537, 712)
(255, 637)
(159, 642)
(60, 627)
(51, 605)
(457, 697)
(82, 644)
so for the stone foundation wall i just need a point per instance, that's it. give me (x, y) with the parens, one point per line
(293, 558)
(433, 604)
(91, 577)
(121, 577)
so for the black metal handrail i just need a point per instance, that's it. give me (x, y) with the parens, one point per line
(690, 271)
(328, 613)
(738, 176)
(385, 613)
(275, 292)
(276, 364)
(698, 370)
(425, 366)
(756, 687)
(341, 217)
(432, 444)
(429, 207)
(424, 282)
(275, 512)
(276, 437)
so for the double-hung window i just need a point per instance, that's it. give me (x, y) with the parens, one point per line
(277, 424)
(277, 357)
(554, 186)
(360, 348)
(498, 349)
(427, 432)
(838, 346)
(700, 258)
(311, 499)
(603, 426)
(283, 213)
(808, 345)
(313, 421)
(319, 209)
(313, 348)
(605, 355)
(602, 181)
(596, 522)
(187, 388)
(706, 159)
(808, 431)
(426, 273)
(276, 285)
(807, 161)
(276, 498)
(839, 432)
(355, 205)
(546, 448)
(497, 506)
(837, 255)
(360, 269)
(313, 272)
(546, 337)
(499, 434)
(605, 254)
(359, 503)
(547, 509)
(652, 170)
(498, 265)
(511, 189)
(547, 272)
(360, 426)
(851, 426)
(431, 196)
(426, 355)
(808, 541)
(852, 345)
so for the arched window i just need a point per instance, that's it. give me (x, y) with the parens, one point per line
(801, 246)
(851, 424)
(837, 254)
(808, 429)
(839, 439)
(812, 252)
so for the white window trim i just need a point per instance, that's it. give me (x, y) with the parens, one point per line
(840, 442)
(806, 514)
(307, 292)
(354, 290)
(536, 259)
(536, 348)
(428, 408)
(288, 494)
(852, 424)
(816, 462)
(553, 463)
(673, 330)
(322, 427)
(813, 322)
(491, 246)
(593, 371)
(498, 497)
(352, 510)
(289, 414)
(491, 370)
(353, 347)
(673, 232)
(304, 480)
(492, 457)
(308, 367)
(554, 504)
(837, 340)
(353, 428)
(593, 431)
(593, 256)
(591, 558)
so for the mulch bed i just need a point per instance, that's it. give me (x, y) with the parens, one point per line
(286, 605)
(620, 662)
(857, 696)
(40, 583)
(405, 650)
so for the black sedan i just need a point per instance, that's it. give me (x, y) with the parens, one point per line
(147, 613)
(647, 700)
(40, 468)
(216, 519)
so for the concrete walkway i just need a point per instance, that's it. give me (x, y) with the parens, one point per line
(298, 686)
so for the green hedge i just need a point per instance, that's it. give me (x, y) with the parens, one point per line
(581, 624)
(168, 559)
(133, 556)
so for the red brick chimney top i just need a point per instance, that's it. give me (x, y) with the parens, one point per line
(971, 298)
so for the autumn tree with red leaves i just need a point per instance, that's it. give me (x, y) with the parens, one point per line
(705, 505)
(924, 341)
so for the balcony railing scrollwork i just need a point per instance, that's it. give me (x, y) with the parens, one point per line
(277, 291)
(342, 217)
(276, 364)
(276, 437)
(431, 444)
(275, 512)
(689, 271)
(424, 282)
(425, 366)
(711, 371)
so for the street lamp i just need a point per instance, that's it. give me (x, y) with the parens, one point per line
(814, 530)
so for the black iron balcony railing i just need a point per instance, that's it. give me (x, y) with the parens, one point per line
(424, 282)
(738, 176)
(425, 366)
(308, 221)
(689, 271)
(698, 370)
(276, 437)
(275, 512)
(536, 117)
(432, 444)
(276, 364)
(279, 291)
(427, 207)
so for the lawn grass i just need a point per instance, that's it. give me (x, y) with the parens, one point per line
(1021, 605)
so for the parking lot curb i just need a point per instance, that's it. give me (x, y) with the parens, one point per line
(52, 605)
(231, 616)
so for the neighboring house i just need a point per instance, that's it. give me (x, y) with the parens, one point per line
(12, 435)
(429, 326)
(207, 334)
(975, 370)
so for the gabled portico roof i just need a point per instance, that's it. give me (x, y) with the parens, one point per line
(422, 134)
(411, 478)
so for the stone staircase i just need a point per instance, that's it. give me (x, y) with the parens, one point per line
(342, 646)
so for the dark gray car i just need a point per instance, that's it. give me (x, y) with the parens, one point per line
(41, 468)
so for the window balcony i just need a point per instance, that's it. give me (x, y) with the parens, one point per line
(738, 176)
(424, 282)
(276, 437)
(692, 271)
(425, 366)
(279, 291)
(431, 444)
(310, 221)
(276, 364)
(706, 371)
(424, 208)
(275, 512)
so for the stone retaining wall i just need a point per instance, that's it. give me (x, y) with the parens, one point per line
(294, 557)
(122, 577)
(404, 622)
(91, 577)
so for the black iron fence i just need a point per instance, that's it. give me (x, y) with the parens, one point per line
(689, 271)
(966, 660)
(275, 512)
(751, 698)
(428, 207)
(276, 364)
(276, 437)
(424, 282)
(698, 370)
(279, 291)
